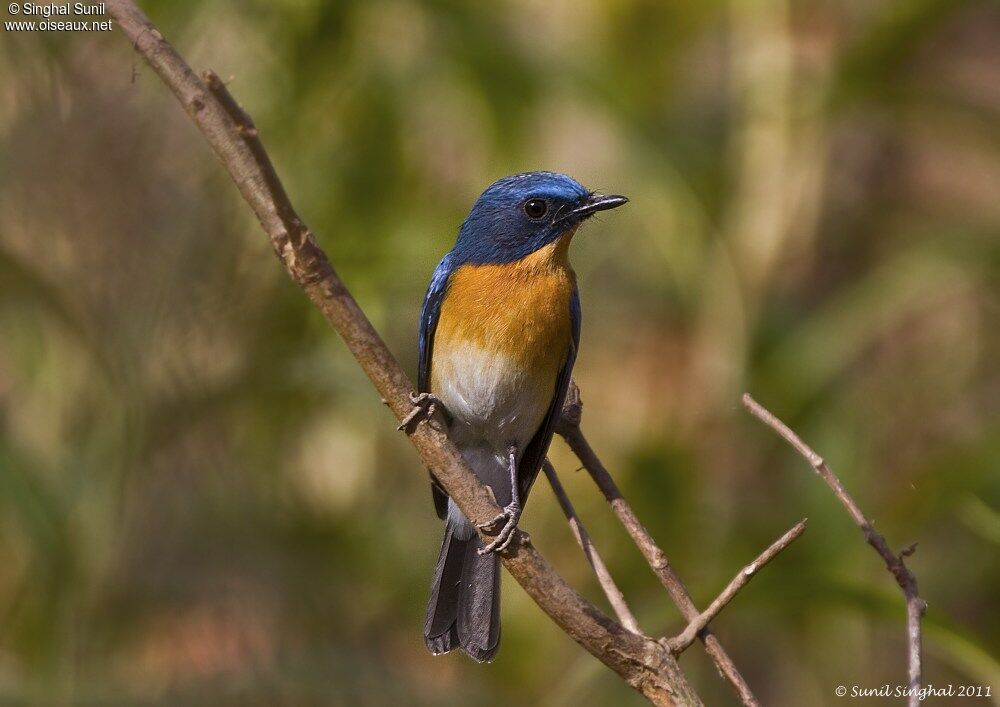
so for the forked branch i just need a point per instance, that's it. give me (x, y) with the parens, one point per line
(569, 428)
(915, 606)
(681, 641)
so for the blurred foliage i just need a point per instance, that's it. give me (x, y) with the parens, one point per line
(203, 502)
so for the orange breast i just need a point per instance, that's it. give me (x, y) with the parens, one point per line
(520, 309)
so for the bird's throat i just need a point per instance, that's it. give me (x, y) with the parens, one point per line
(548, 258)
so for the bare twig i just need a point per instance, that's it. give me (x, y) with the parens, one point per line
(642, 662)
(915, 606)
(680, 642)
(569, 429)
(611, 590)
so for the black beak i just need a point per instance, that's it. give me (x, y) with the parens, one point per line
(597, 202)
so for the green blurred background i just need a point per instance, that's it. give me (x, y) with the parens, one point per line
(202, 500)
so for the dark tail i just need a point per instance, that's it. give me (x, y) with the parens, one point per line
(464, 608)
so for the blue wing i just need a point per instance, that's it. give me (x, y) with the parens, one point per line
(534, 454)
(429, 314)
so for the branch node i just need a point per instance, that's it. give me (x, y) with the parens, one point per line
(572, 409)
(699, 624)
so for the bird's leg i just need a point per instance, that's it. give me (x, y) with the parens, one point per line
(424, 407)
(510, 515)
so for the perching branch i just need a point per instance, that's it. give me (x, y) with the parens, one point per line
(915, 606)
(680, 642)
(569, 428)
(611, 590)
(645, 664)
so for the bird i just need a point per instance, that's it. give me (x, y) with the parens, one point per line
(498, 337)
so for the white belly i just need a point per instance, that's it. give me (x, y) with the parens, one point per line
(492, 399)
(494, 405)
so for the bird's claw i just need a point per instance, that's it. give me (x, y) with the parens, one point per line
(510, 516)
(424, 407)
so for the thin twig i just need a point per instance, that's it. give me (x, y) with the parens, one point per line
(569, 428)
(642, 662)
(611, 590)
(915, 606)
(681, 641)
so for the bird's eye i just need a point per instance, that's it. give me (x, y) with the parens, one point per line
(535, 208)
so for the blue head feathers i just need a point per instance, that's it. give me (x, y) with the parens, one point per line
(519, 214)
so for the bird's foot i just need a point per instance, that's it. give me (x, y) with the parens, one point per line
(424, 407)
(507, 523)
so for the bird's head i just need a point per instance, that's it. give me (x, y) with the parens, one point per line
(520, 214)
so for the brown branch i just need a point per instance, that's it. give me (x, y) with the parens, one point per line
(642, 662)
(915, 606)
(611, 590)
(569, 429)
(681, 641)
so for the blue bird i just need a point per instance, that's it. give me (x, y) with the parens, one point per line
(499, 331)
